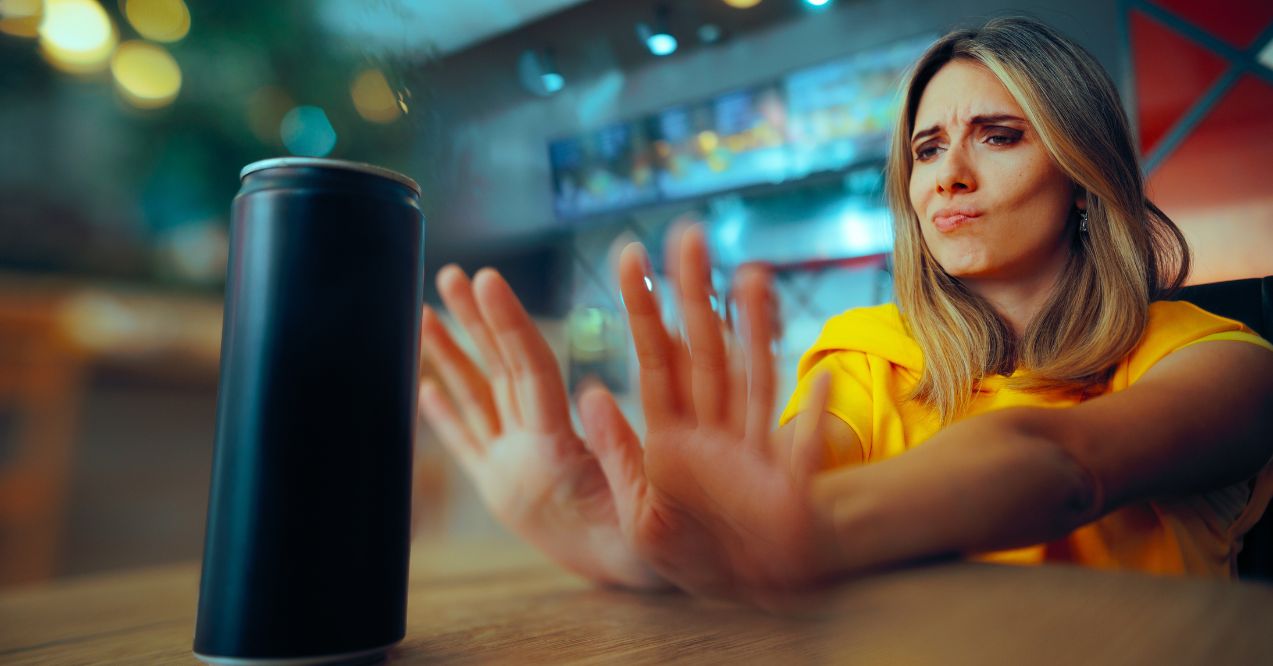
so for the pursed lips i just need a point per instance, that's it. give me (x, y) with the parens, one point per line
(949, 219)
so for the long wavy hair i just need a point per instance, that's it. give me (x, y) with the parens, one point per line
(1131, 254)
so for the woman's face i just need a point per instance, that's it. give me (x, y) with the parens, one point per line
(991, 203)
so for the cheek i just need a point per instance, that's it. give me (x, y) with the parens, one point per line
(917, 193)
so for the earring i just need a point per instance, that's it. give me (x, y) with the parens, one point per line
(1083, 221)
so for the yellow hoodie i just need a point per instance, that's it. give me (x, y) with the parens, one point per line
(874, 363)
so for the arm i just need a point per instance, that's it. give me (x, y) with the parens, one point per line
(841, 446)
(1199, 419)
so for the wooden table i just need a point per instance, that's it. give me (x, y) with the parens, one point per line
(502, 603)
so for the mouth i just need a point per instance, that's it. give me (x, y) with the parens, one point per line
(949, 220)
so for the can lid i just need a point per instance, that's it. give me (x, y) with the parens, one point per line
(324, 163)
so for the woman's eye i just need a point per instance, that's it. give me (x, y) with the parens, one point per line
(926, 153)
(1003, 138)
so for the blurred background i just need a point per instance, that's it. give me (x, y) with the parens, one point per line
(543, 132)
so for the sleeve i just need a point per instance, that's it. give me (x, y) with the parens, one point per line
(1174, 325)
(1238, 336)
(849, 398)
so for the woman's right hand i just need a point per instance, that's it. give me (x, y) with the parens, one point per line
(509, 427)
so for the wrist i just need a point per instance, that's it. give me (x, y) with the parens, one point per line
(842, 518)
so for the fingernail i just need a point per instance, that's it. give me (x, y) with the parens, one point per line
(648, 271)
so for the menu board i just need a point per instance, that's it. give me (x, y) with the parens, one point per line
(732, 141)
(604, 170)
(823, 118)
(842, 112)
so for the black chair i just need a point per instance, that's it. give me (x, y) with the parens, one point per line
(1250, 302)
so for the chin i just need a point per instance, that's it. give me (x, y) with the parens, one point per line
(965, 267)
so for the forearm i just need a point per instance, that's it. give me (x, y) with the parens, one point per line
(995, 481)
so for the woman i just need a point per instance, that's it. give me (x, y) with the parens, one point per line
(1029, 398)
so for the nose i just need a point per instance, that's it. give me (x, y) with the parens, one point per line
(955, 173)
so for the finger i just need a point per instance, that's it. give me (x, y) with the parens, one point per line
(444, 420)
(617, 449)
(758, 307)
(736, 408)
(461, 376)
(709, 368)
(540, 391)
(655, 352)
(808, 451)
(681, 370)
(457, 294)
(672, 248)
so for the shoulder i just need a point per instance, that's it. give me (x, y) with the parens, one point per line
(874, 331)
(864, 329)
(1174, 325)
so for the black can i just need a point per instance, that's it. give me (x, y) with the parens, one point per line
(306, 553)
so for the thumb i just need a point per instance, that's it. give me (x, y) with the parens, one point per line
(611, 439)
(808, 451)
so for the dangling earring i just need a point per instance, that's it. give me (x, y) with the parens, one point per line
(1083, 221)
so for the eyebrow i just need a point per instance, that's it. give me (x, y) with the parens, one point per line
(976, 120)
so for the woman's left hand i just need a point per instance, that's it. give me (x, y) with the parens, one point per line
(715, 502)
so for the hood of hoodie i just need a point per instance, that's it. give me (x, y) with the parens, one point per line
(877, 331)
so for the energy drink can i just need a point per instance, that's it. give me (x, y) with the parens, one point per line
(306, 554)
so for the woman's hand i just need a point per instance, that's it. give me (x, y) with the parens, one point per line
(510, 430)
(712, 503)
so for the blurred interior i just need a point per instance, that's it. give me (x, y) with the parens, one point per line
(544, 133)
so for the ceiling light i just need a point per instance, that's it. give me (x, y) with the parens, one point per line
(537, 70)
(552, 81)
(656, 35)
(661, 44)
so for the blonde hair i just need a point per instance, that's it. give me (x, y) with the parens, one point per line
(1131, 254)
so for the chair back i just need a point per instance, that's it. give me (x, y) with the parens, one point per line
(1250, 302)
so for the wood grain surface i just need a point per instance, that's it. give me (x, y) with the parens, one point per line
(499, 602)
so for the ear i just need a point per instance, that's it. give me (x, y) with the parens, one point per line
(1080, 197)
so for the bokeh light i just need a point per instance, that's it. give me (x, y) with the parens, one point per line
(77, 36)
(145, 74)
(373, 98)
(266, 108)
(307, 131)
(21, 17)
(552, 81)
(194, 252)
(661, 44)
(707, 141)
(742, 4)
(160, 20)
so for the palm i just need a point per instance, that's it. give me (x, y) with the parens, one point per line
(726, 518)
(550, 490)
(509, 428)
(714, 502)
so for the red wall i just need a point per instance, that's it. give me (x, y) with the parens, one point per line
(1197, 69)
